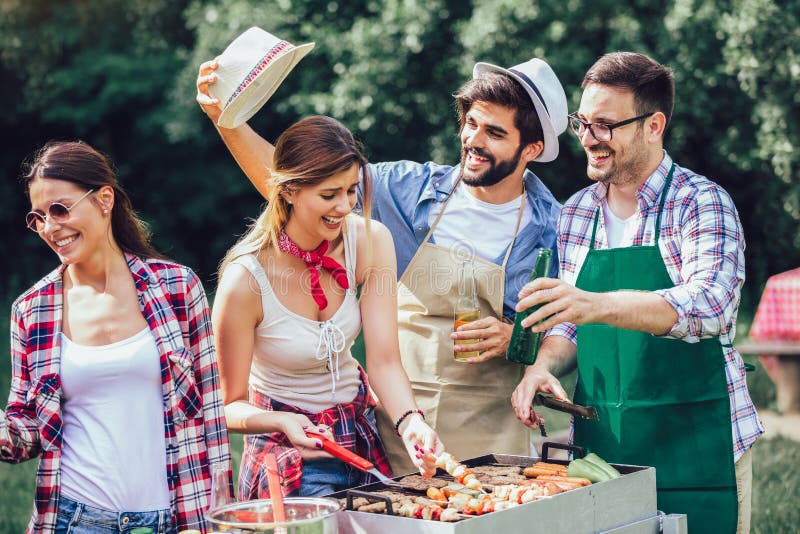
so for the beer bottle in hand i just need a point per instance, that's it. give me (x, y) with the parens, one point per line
(524, 343)
(467, 308)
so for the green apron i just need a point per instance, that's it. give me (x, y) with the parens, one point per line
(661, 402)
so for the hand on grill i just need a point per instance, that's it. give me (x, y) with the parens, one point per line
(536, 379)
(422, 444)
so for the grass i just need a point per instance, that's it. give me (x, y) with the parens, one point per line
(776, 486)
(776, 465)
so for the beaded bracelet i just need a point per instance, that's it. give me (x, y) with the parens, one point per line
(403, 418)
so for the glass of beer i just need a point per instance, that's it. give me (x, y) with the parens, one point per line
(467, 308)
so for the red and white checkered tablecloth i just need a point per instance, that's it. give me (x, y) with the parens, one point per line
(777, 318)
(778, 314)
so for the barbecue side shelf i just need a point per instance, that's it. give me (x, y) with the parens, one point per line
(625, 501)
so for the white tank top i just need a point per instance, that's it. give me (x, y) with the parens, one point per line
(301, 361)
(114, 454)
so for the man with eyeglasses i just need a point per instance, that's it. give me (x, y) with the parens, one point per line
(651, 268)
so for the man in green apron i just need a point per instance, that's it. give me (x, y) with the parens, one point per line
(490, 208)
(651, 268)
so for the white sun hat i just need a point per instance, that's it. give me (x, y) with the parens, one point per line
(547, 95)
(252, 67)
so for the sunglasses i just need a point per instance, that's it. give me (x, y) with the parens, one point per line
(56, 212)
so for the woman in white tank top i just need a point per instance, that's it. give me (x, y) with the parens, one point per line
(286, 314)
(114, 382)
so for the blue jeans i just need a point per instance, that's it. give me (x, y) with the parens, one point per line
(327, 475)
(78, 518)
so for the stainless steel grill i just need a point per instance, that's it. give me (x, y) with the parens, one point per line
(626, 505)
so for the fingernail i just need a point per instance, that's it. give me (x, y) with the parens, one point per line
(306, 427)
(321, 429)
(416, 447)
(318, 444)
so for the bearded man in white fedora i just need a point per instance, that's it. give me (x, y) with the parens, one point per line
(490, 209)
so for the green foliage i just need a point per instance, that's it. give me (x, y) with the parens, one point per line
(121, 75)
(104, 71)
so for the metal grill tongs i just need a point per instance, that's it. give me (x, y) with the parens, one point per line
(353, 459)
(576, 410)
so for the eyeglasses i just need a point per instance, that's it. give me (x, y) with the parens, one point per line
(56, 212)
(600, 131)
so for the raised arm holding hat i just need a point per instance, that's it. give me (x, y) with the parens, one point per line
(651, 268)
(490, 209)
(287, 312)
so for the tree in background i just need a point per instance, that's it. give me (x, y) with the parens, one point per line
(121, 75)
(103, 71)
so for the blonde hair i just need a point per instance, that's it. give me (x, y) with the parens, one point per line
(306, 154)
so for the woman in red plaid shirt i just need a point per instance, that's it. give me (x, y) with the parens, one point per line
(286, 314)
(114, 384)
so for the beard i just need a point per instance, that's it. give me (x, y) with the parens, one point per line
(623, 168)
(496, 172)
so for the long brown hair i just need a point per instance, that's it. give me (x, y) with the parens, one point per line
(306, 154)
(82, 165)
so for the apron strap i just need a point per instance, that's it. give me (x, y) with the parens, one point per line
(594, 227)
(434, 225)
(439, 217)
(663, 197)
(516, 228)
(446, 202)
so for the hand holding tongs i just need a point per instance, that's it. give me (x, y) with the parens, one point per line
(351, 458)
(576, 410)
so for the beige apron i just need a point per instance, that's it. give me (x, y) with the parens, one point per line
(468, 405)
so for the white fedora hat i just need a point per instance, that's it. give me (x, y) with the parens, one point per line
(547, 95)
(250, 70)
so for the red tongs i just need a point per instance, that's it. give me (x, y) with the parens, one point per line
(351, 458)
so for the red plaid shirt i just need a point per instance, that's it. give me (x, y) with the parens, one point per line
(172, 300)
(350, 428)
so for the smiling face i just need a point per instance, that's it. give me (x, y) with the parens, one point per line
(628, 157)
(83, 232)
(318, 211)
(490, 146)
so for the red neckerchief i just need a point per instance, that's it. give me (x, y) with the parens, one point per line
(314, 260)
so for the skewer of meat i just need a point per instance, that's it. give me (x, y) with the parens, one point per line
(459, 471)
(431, 512)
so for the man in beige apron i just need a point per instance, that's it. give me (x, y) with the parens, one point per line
(652, 263)
(467, 404)
(509, 117)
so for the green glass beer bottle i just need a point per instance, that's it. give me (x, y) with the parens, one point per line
(524, 343)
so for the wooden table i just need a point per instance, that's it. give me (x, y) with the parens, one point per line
(787, 374)
(749, 346)
(775, 335)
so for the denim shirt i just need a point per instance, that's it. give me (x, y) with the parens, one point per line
(404, 191)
